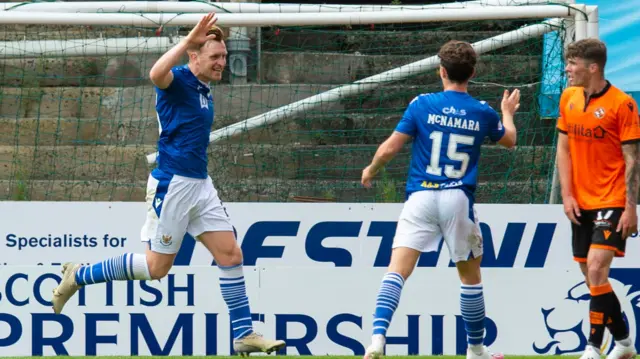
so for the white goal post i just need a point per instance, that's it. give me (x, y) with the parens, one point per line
(580, 20)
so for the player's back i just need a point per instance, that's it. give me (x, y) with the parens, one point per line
(449, 128)
(185, 116)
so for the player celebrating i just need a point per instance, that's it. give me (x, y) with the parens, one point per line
(180, 194)
(599, 176)
(448, 129)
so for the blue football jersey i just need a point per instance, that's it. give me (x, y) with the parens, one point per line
(185, 116)
(448, 129)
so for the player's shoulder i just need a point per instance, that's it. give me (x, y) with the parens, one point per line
(620, 98)
(571, 90)
(481, 106)
(422, 98)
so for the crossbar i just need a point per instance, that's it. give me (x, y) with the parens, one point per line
(344, 18)
(236, 7)
(372, 82)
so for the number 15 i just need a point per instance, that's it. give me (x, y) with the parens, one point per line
(452, 153)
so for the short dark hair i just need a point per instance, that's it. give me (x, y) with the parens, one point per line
(459, 59)
(590, 50)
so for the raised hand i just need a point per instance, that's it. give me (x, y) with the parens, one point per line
(510, 102)
(198, 34)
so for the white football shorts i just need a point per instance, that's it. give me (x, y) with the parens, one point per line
(429, 216)
(178, 205)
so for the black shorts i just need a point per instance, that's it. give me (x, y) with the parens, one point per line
(597, 230)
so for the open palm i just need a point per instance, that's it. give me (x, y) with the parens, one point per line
(198, 35)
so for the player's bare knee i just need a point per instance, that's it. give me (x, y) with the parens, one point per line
(159, 264)
(230, 256)
(158, 269)
(403, 261)
(599, 260)
(404, 271)
(597, 270)
(585, 272)
(469, 271)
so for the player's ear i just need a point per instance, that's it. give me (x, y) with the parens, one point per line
(192, 53)
(443, 72)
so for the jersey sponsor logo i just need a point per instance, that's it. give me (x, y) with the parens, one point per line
(453, 122)
(435, 185)
(580, 131)
(204, 101)
(454, 111)
(426, 184)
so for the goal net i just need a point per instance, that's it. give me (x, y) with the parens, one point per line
(77, 117)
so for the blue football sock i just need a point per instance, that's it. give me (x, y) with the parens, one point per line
(127, 266)
(387, 302)
(473, 314)
(235, 295)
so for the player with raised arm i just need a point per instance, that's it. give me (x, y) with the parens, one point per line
(180, 194)
(599, 168)
(448, 129)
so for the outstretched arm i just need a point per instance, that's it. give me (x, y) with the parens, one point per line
(385, 153)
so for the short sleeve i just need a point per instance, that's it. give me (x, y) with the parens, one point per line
(176, 85)
(407, 124)
(496, 130)
(561, 126)
(628, 121)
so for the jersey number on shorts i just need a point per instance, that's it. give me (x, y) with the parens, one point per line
(452, 153)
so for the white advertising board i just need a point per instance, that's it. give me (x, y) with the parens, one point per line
(312, 271)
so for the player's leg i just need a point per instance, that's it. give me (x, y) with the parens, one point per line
(581, 241)
(604, 308)
(212, 226)
(164, 233)
(417, 232)
(463, 237)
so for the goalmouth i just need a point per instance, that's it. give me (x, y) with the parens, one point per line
(558, 24)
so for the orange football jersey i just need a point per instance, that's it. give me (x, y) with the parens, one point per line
(597, 128)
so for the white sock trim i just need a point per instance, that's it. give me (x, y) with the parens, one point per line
(140, 267)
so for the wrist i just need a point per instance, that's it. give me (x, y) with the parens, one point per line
(185, 43)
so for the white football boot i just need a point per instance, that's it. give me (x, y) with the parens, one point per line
(376, 349)
(486, 354)
(67, 288)
(256, 343)
(591, 352)
(621, 351)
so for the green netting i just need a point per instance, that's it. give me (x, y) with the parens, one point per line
(76, 127)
